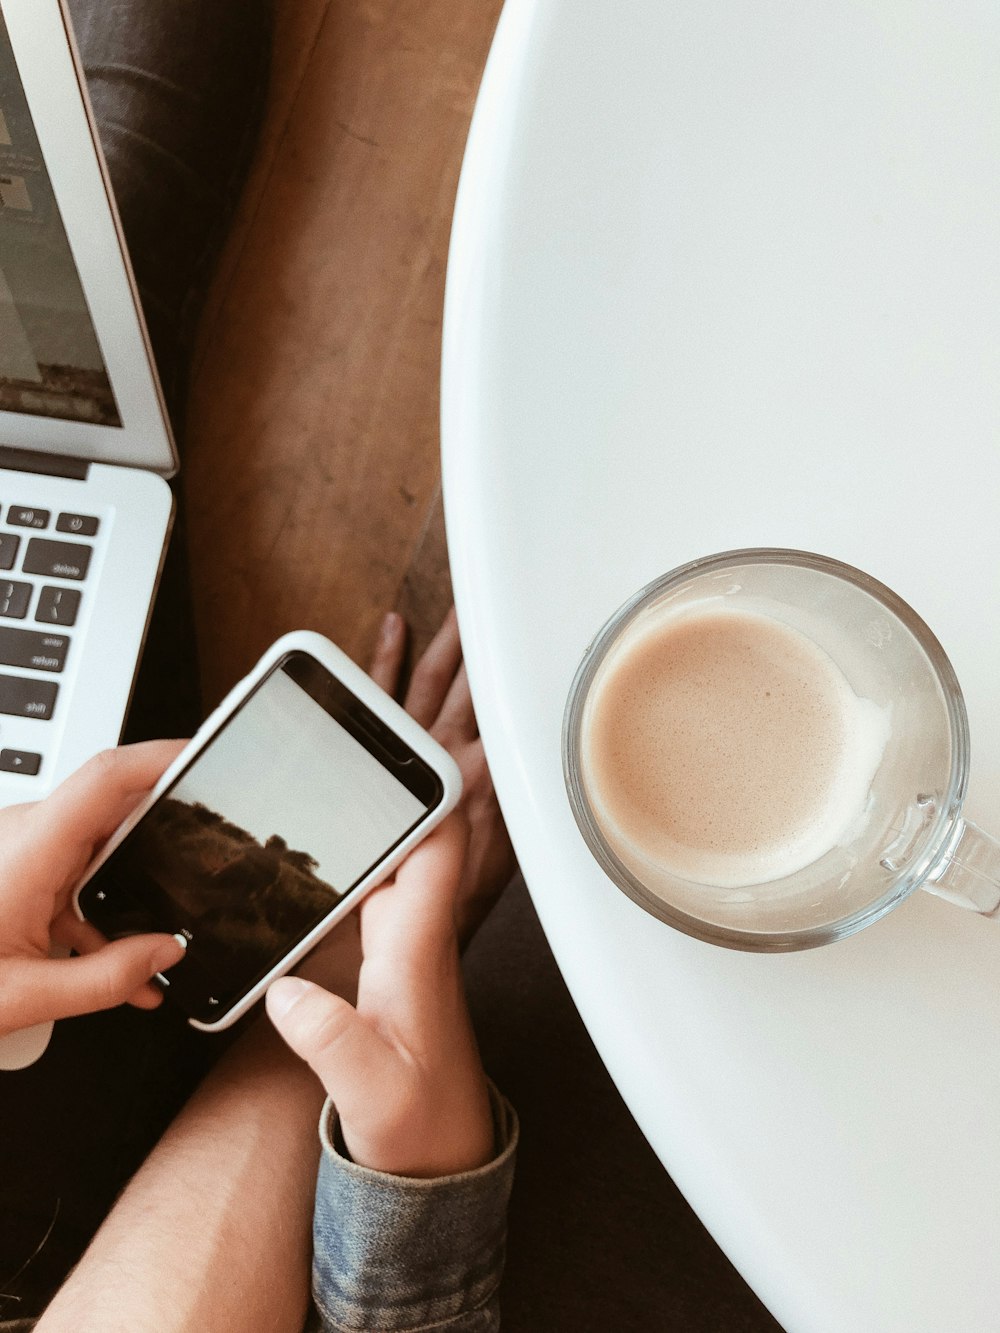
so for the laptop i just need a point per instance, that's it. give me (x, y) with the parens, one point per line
(85, 444)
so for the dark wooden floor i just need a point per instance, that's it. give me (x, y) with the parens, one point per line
(312, 466)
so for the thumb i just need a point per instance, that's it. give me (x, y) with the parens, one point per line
(349, 1056)
(36, 990)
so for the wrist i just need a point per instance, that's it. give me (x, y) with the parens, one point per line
(497, 1142)
(428, 1138)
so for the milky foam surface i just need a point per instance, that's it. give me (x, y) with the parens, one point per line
(728, 748)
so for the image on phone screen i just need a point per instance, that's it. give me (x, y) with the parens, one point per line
(283, 813)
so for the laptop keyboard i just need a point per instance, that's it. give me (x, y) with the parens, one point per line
(41, 595)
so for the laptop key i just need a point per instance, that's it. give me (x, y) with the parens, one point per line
(21, 516)
(59, 560)
(58, 606)
(20, 697)
(14, 599)
(8, 549)
(20, 761)
(81, 525)
(29, 648)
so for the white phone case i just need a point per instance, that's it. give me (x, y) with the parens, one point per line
(361, 685)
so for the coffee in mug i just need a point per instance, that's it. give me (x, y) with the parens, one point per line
(769, 749)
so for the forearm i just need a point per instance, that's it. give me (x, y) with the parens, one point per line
(213, 1232)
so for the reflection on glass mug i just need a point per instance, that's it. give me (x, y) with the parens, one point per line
(769, 750)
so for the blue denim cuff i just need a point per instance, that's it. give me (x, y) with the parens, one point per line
(397, 1253)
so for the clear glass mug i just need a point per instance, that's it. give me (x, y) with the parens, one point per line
(913, 834)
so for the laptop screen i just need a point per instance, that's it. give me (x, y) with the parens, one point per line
(51, 363)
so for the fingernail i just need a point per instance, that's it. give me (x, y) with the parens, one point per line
(182, 940)
(283, 994)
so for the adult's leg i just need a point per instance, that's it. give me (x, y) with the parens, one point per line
(213, 1233)
(177, 88)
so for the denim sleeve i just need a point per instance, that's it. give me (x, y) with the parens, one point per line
(395, 1253)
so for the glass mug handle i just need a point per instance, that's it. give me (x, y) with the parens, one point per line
(968, 874)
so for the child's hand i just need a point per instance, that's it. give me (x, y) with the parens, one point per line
(402, 1067)
(44, 849)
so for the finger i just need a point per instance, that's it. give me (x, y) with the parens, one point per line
(352, 1060)
(36, 990)
(387, 660)
(148, 996)
(456, 720)
(489, 868)
(408, 926)
(433, 675)
(97, 797)
(14, 814)
(83, 938)
(86, 809)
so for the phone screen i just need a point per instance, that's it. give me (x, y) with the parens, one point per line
(282, 814)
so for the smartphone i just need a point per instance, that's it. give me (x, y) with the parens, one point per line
(303, 790)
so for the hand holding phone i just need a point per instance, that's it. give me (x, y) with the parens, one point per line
(43, 848)
(303, 790)
(401, 1066)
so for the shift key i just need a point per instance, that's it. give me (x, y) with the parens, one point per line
(28, 648)
(59, 560)
(27, 698)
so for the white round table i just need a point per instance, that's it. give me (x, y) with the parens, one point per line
(728, 275)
